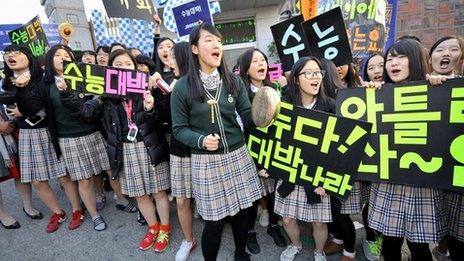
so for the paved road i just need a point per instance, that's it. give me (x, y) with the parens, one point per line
(119, 241)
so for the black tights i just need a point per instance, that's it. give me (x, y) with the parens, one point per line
(253, 212)
(212, 233)
(455, 248)
(371, 234)
(391, 249)
(342, 226)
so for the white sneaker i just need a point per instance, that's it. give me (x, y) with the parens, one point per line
(319, 256)
(185, 249)
(264, 218)
(290, 252)
(371, 250)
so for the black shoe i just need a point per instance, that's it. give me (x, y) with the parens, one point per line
(244, 257)
(36, 216)
(15, 225)
(274, 232)
(140, 219)
(252, 243)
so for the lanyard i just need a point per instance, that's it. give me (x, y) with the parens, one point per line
(128, 108)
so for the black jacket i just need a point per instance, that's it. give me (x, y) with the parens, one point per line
(115, 123)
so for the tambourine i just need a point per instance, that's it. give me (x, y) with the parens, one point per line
(66, 30)
(265, 107)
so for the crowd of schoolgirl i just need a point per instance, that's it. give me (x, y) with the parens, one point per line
(190, 144)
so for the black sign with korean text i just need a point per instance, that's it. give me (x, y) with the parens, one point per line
(135, 9)
(105, 81)
(417, 135)
(290, 41)
(326, 37)
(32, 36)
(311, 148)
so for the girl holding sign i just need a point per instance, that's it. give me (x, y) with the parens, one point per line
(78, 142)
(147, 173)
(294, 202)
(446, 58)
(38, 158)
(224, 177)
(253, 66)
(396, 210)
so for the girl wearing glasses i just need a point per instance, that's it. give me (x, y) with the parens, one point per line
(294, 202)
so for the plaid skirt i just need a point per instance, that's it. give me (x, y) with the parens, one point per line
(267, 185)
(365, 192)
(223, 184)
(405, 211)
(296, 206)
(38, 160)
(455, 213)
(139, 177)
(352, 204)
(84, 156)
(181, 176)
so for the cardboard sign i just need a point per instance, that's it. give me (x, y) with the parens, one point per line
(290, 41)
(326, 36)
(32, 36)
(190, 14)
(105, 81)
(51, 31)
(311, 148)
(418, 133)
(371, 24)
(135, 9)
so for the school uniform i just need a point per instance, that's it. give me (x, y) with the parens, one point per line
(224, 181)
(180, 164)
(298, 202)
(416, 213)
(77, 142)
(455, 214)
(38, 160)
(140, 164)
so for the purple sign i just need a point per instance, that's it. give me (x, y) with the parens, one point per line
(190, 14)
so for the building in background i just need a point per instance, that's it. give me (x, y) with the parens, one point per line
(246, 23)
(72, 11)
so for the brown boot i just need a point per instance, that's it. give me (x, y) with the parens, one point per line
(331, 248)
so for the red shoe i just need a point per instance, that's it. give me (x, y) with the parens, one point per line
(150, 237)
(55, 221)
(77, 220)
(162, 241)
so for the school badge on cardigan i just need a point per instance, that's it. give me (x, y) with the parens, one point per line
(230, 99)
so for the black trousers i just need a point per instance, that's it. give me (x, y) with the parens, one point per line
(391, 249)
(342, 226)
(212, 233)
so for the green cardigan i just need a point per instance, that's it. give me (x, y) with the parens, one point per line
(191, 119)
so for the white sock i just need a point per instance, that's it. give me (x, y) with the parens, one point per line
(337, 241)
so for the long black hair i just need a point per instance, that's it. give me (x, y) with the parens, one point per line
(294, 84)
(147, 61)
(331, 81)
(195, 86)
(351, 78)
(182, 55)
(159, 66)
(50, 71)
(417, 56)
(365, 76)
(244, 62)
(34, 67)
